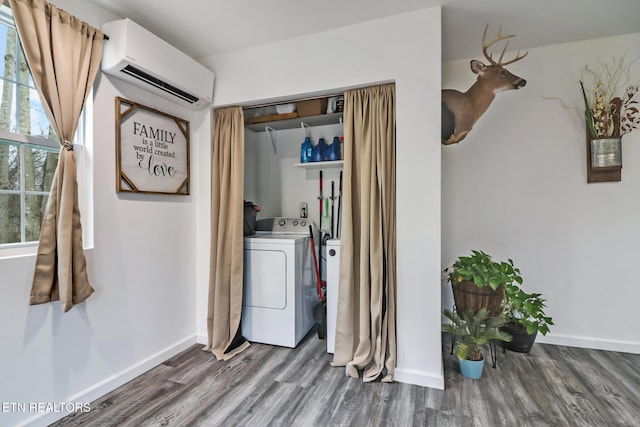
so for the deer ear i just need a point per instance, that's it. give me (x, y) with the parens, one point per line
(477, 67)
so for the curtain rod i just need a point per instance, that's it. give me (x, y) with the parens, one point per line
(6, 3)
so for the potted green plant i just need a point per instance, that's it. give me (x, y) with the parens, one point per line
(478, 281)
(472, 330)
(525, 317)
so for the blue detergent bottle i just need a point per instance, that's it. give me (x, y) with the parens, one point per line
(334, 149)
(319, 151)
(306, 151)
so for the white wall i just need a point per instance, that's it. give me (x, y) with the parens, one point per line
(143, 270)
(404, 49)
(516, 188)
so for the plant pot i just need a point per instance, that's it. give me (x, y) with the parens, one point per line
(467, 295)
(522, 342)
(471, 368)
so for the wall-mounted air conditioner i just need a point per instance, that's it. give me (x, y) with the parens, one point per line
(140, 57)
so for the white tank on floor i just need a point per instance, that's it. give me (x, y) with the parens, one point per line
(333, 279)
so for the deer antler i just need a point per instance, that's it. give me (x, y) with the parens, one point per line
(495, 40)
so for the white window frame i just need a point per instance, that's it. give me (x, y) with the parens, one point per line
(23, 142)
(82, 149)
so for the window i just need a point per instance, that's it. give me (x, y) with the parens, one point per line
(28, 145)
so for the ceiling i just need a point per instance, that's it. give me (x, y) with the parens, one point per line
(204, 27)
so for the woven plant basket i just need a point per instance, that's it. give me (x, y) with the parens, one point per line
(467, 295)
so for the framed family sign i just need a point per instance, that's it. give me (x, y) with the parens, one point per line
(152, 150)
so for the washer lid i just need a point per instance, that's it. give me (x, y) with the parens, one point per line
(275, 238)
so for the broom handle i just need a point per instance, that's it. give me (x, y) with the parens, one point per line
(320, 226)
(321, 200)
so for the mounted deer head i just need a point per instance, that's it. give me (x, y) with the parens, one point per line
(460, 111)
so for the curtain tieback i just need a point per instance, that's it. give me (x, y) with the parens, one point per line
(67, 145)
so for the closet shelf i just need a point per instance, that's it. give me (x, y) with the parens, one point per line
(286, 122)
(321, 165)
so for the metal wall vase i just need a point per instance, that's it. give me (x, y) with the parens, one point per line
(604, 159)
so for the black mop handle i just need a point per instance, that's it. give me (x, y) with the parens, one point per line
(339, 206)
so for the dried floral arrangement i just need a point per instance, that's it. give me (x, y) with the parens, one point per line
(610, 99)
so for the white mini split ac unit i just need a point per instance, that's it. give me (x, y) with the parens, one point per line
(138, 56)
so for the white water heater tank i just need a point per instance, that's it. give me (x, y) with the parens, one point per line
(333, 280)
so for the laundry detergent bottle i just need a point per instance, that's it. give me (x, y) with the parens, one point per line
(306, 151)
(334, 149)
(320, 151)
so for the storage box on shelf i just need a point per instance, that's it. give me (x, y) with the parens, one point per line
(311, 107)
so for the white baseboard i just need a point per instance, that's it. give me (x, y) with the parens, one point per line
(109, 384)
(421, 378)
(590, 342)
(202, 339)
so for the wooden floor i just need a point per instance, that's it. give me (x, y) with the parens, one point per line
(265, 385)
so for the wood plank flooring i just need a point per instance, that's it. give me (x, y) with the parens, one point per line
(275, 386)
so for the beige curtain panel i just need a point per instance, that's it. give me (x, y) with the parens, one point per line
(64, 55)
(227, 212)
(366, 324)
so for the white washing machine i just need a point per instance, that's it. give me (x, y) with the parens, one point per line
(280, 289)
(333, 280)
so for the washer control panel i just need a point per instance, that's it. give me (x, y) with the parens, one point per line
(285, 225)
